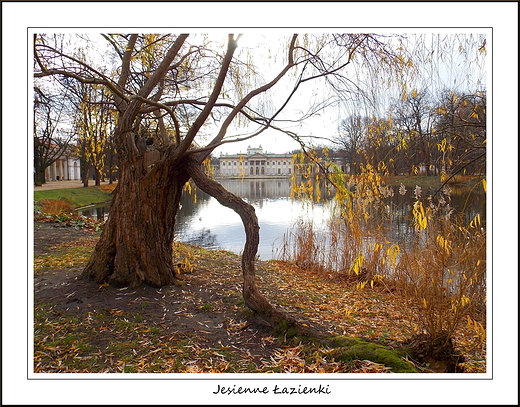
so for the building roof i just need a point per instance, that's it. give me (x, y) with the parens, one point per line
(256, 152)
(264, 155)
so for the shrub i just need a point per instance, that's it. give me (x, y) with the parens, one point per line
(442, 268)
(56, 206)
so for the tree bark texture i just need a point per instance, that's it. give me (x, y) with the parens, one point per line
(39, 174)
(136, 244)
(252, 296)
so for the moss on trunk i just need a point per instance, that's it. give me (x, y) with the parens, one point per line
(349, 349)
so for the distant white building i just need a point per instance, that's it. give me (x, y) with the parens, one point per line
(256, 164)
(64, 168)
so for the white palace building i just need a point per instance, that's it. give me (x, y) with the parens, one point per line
(63, 169)
(256, 164)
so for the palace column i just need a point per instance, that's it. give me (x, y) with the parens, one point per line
(53, 172)
(63, 170)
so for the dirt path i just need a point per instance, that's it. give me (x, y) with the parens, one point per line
(205, 306)
(64, 184)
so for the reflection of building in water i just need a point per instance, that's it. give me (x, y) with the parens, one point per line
(257, 188)
(256, 164)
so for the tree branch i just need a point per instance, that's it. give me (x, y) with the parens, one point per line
(192, 132)
(252, 94)
(252, 296)
(126, 59)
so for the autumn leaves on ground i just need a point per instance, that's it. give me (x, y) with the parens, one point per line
(202, 324)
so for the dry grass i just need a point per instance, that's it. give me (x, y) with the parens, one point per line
(109, 188)
(441, 269)
(56, 206)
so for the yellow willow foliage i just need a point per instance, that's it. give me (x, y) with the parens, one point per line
(149, 53)
(241, 166)
(186, 266)
(383, 169)
(475, 222)
(190, 188)
(349, 311)
(369, 183)
(442, 146)
(357, 264)
(307, 166)
(393, 253)
(419, 215)
(464, 300)
(360, 285)
(460, 303)
(343, 196)
(445, 244)
(318, 190)
(476, 326)
(94, 125)
(377, 278)
(401, 139)
(208, 168)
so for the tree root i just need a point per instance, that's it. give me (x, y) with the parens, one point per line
(437, 352)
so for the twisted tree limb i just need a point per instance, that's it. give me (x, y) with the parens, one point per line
(252, 296)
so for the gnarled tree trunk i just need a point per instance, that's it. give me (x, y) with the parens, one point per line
(136, 244)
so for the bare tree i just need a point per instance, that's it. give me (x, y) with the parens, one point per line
(350, 138)
(50, 142)
(461, 132)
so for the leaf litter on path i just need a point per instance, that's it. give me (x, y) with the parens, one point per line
(203, 325)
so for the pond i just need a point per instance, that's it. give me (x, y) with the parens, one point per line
(206, 223)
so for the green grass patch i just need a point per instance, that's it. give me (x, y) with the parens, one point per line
(77, 197)
(103, 341)
(64, 257)
(426, 182)
(206, 307)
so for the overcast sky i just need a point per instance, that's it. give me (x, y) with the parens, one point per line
(454, 71)
(268, 51)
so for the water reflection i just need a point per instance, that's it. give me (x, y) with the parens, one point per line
(204, 222)
(96, 212)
